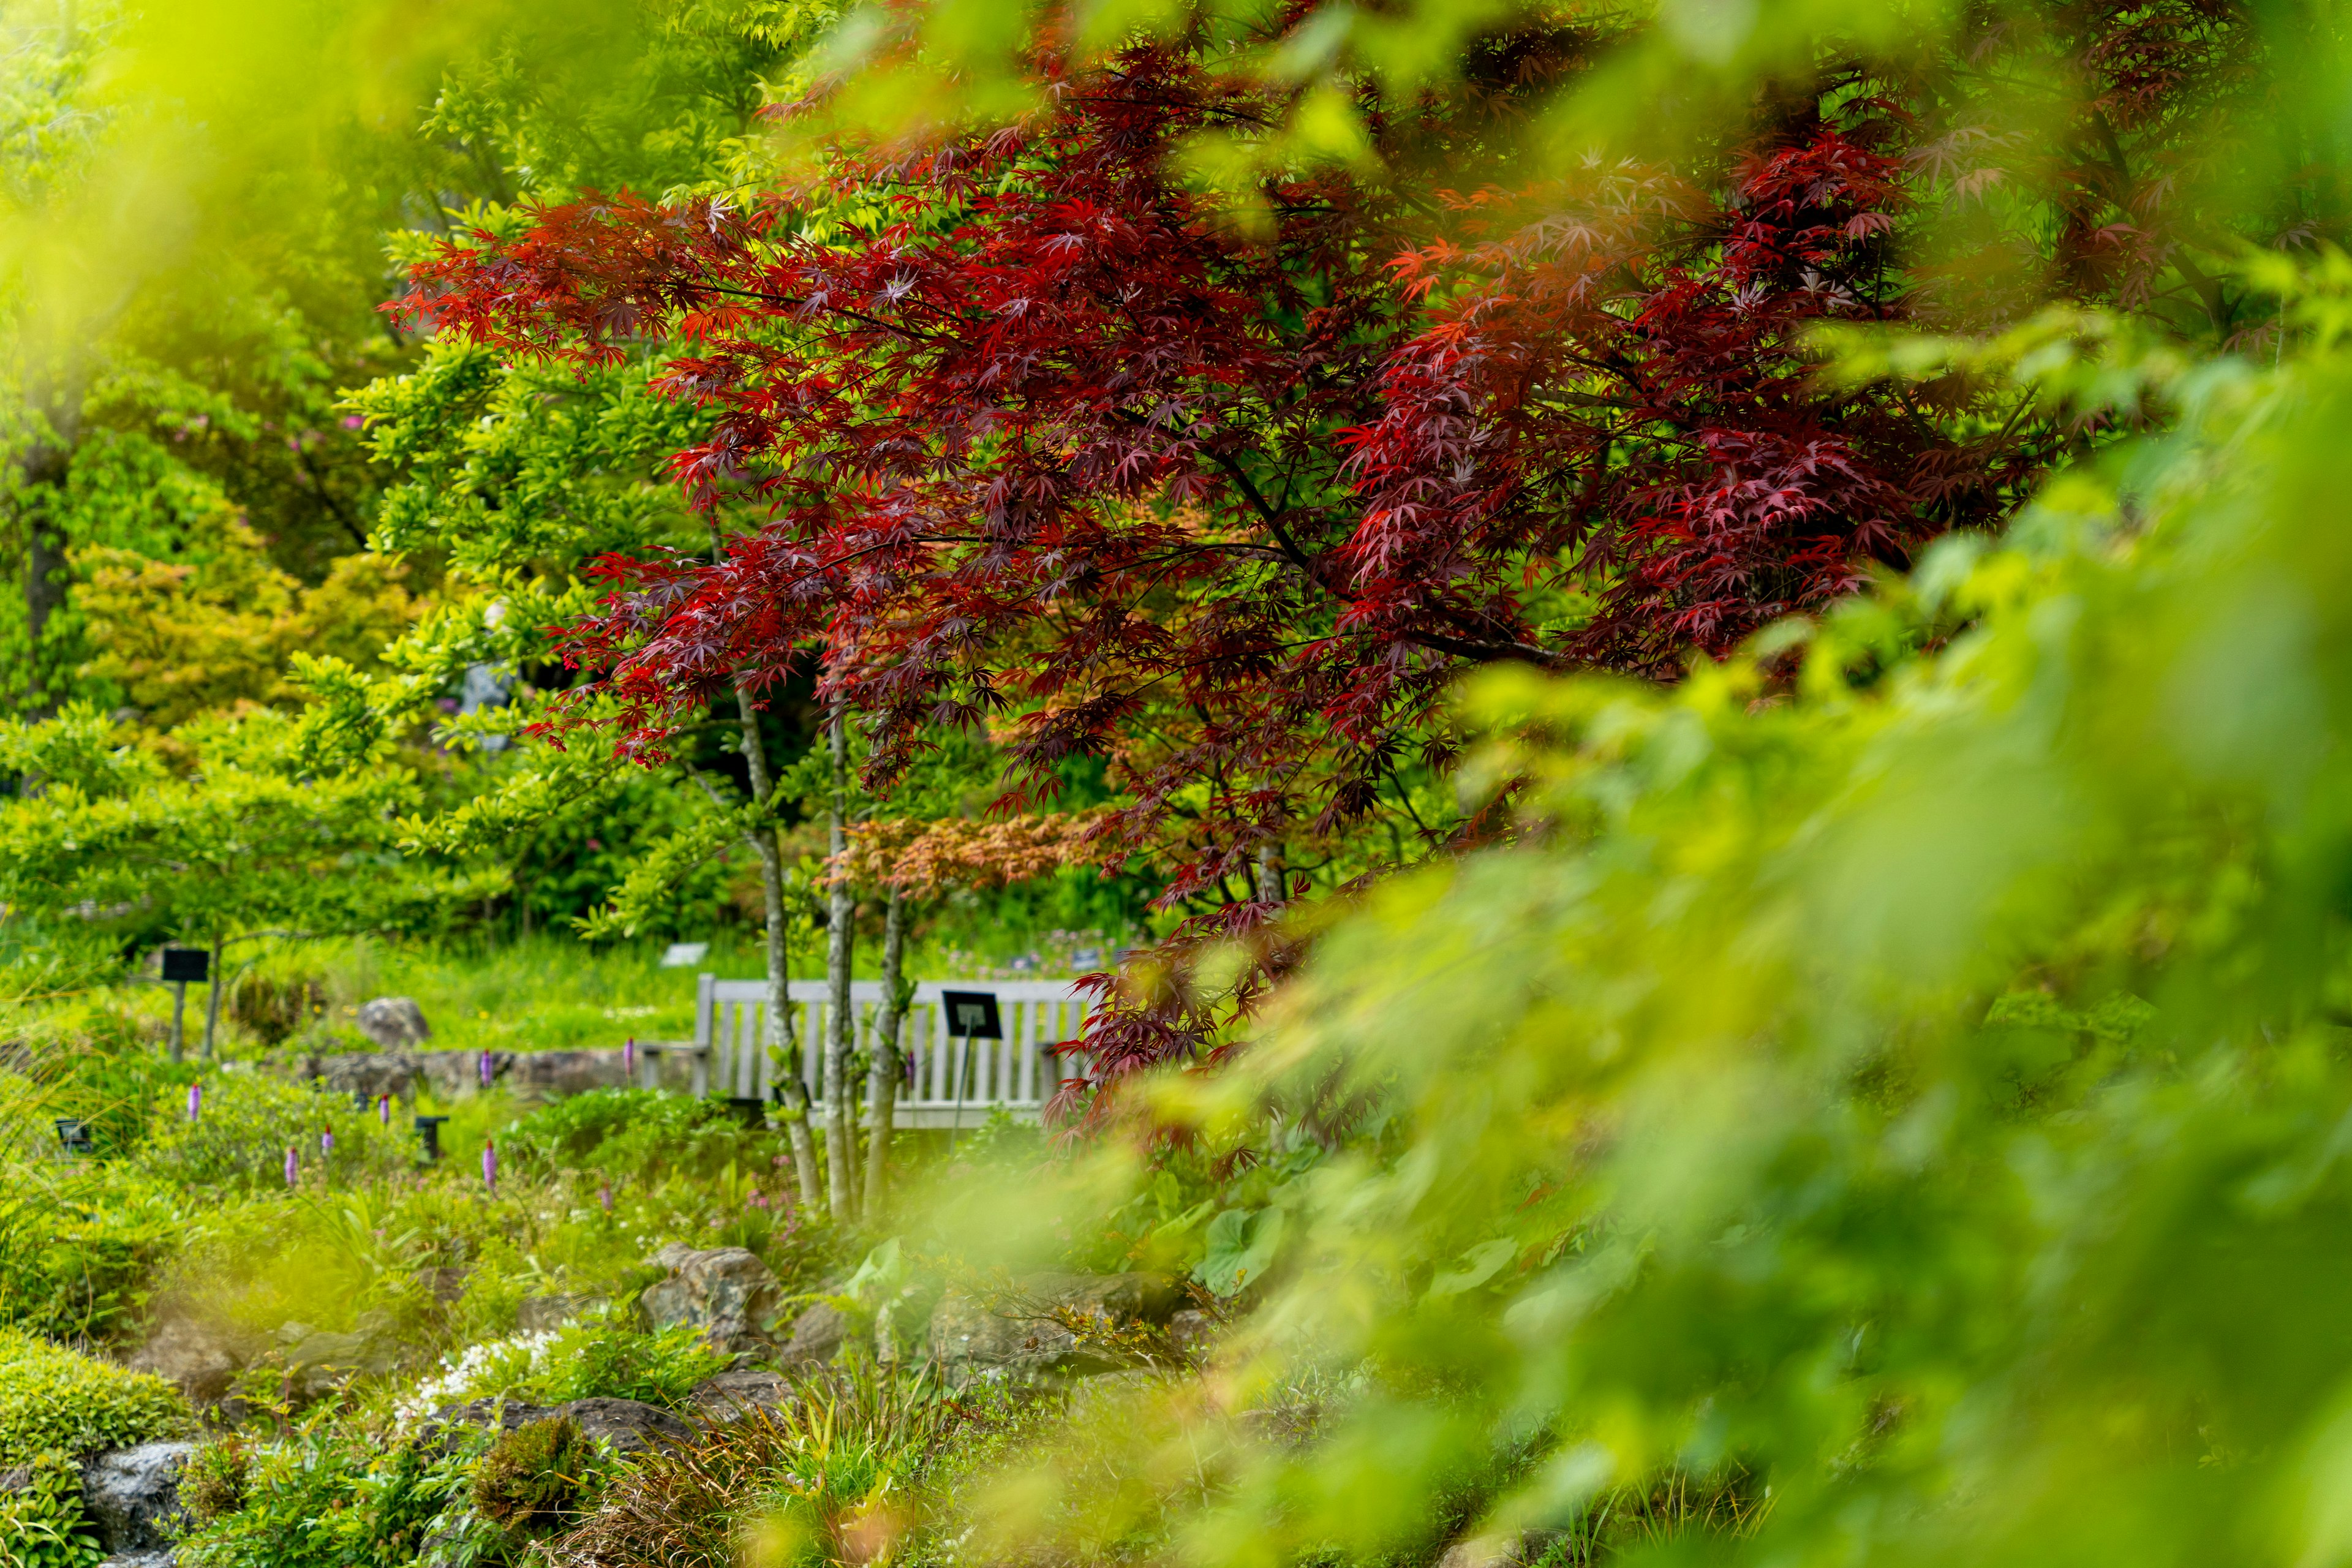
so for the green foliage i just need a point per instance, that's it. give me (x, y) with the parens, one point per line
(603, 1355)
(42, 1525)
(240, 834)
(329, 1500)
(213, 1484)
(53, 1400)
(246, 1123)
(635, 1133)
(80, 1243)
(538, 1477)
(1906, 1065)
(815, 1483)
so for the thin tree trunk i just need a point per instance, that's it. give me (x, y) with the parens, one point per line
(796, 1128)
(841, 914)
(782, 1059)
(782, 1056)
(213, 995)
(882, 1074)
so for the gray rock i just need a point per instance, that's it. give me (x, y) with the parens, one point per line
(552, 1075)
(393, 1022)
(537, 1314)
(818, 1334)
(161, 1557)
(626, 1426)
(133, 1495)
(318, 1363)
(732, 1396)
(1022, 1331)
(451, 1074)
(201, 1359)
(371, 1073)
(1191, 1334)
(726, 1293)
(19, 1479)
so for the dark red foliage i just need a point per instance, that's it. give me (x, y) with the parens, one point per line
(1064, 445)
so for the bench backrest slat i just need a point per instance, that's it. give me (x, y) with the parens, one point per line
(1018, 1073)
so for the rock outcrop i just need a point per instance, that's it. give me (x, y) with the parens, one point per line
(626, 1426)
(200, 1358)
(732, 1396)
(133, 1495)
(394, 1022)
(1028, 1329)
(726, 1294)
(552, 1075)
(371, 1073)
(454, 1073)
(537, 1314)
(818, 1334)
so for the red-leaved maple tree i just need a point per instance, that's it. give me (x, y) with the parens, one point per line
(1063, 444)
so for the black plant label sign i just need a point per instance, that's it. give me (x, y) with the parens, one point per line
(973, 1014)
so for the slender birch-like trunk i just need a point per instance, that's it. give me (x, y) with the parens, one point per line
(841, 909)
(882, 1076)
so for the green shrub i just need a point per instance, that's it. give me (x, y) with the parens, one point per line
(538, 1477)
(213, 1486)
(55, 1406)
(246, 1123)
(821, 1481)
(634, 1133)
(79, 1240)
(53, 1400)
(43, 1526)
(601, 1356)
(338, 1499)
(95, 1063)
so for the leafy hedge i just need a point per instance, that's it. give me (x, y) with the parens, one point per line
(55, 1406)
(52, 1399)
(245, 1124)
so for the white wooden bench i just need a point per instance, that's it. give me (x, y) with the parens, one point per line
(1018, 1073)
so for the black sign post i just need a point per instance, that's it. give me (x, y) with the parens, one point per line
(182, 965)
(973, 1015)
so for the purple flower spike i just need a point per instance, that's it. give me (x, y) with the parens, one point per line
(629, 1058)
(383, 1109)
(605, 1196)
(293, 1165)
(486, 1069)
(490, 1165)
(326, 1142)
(195, 1100)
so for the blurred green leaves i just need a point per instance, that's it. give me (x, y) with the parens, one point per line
(1914, 1078)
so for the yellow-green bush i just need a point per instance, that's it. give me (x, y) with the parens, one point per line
(51, 1398)
(55, 1406)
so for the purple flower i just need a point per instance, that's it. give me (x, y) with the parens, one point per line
(195, 1100)
(605, 1196)
(383, 1109)
(326, 1141)
(629, 1058)
(293, 1165)
(486, 1069)
(490, 1164)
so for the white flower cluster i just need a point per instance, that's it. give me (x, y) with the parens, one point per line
(492, 1367)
